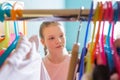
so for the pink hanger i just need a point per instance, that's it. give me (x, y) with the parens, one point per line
(102, 56)
(108, 47)
(116, 57)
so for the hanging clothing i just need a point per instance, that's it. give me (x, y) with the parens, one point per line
(30, 71)
(19, 68)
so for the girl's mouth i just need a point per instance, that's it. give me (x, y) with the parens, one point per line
(59, 46)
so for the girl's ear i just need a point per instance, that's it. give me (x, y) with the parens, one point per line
(43, 42)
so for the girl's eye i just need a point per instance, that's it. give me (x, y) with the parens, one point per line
(61, 35)
(51, 38)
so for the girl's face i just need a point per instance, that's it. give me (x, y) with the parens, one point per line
(54, 38)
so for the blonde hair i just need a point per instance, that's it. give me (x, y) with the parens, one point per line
(45, 25)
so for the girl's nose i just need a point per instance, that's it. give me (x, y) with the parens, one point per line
(58, 40)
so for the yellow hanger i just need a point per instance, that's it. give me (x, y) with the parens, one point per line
(24, 28)
(88, 57)
(5, 42)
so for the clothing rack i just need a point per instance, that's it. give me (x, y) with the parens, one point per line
(53, 15)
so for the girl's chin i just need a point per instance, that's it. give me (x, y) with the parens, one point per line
(59, 49)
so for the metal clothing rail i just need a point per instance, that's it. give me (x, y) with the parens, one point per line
(53, 15)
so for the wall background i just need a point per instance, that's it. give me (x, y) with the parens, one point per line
(70, 27)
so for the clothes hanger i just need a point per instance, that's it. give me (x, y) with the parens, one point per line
(13, 44)
(4, 10)
(5, 7)
(96, 43)
(102, 57)
(1, 13)
(11, 47)
(84, 50)
(18, 13)
(89, 54)
(74, 53)
(24, 28)
(4, 42)
(107, 46)
(116, 57)
(2, 36)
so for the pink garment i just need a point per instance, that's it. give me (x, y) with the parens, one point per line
(58, 71)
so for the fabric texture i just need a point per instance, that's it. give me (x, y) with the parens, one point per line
(25, 63)
(58, 71)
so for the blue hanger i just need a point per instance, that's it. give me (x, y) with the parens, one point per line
(5, 9)
(84, 50)
(12, 46)
(7, 52)
(116, 57)
(108, 47)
